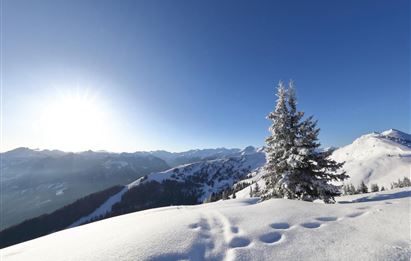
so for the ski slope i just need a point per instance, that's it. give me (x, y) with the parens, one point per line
(372, 226)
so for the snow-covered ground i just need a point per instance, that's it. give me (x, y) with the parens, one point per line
(374, 226)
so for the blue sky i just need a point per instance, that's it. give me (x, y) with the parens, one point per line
(177, 75)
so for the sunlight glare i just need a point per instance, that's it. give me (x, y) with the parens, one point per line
(75, 122)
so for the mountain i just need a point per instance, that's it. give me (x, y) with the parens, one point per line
(373, 226)
(375, 158)
(380, 158)
(180, 158)
(187, 184)
(35, 182)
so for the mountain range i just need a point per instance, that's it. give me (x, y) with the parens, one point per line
(35, 182)
(372, 158)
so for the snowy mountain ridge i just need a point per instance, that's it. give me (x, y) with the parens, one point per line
(213, 175)
(379, 158)
(205, 177)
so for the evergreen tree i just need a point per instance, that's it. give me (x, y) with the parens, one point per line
(278, 143)
(349, 189)
(406, 182)
(345, 189)
(256, 190)
(251, 192)
(374, 188)
(352, 189)
(296, 168)
(225, 195)
(382, 188)
(400, 184)
(362, 188)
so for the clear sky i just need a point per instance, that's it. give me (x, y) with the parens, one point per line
(176, 75)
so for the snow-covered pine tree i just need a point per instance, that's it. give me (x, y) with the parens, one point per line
(296, 168)
(257, 191)
(362, 188)
(406, 182)
(278, 144)
(374, 188)
(352, 189)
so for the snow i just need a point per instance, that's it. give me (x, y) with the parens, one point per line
(256, 177)
(373, 226)
(376, 158)
(221, 173)
(103, 209)
(380, 158)
(396, 134)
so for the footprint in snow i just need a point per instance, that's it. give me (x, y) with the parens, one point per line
(234, 230)
(327, 219)
(193, 226)
(362, 208)
(271, 238)
(311, 225)
(239, 242)
(280, 225)
(356, 214)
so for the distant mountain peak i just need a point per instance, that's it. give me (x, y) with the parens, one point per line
(248, 150)
(393, 133)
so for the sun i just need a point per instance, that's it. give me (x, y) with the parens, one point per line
(75, 121)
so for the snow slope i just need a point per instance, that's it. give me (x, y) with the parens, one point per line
(379, 158)
(362, 227)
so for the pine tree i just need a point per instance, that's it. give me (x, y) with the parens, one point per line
(251, 192)
(406, 182)
(256, 190)
(296, 169)
(362, 188)
(374, 188)
(352, 189)
(382, 188)
(345, 189)
(278, 143)
(225, 195)
(348, 189)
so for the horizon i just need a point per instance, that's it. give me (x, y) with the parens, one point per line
(135, 76)
(192, 149)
